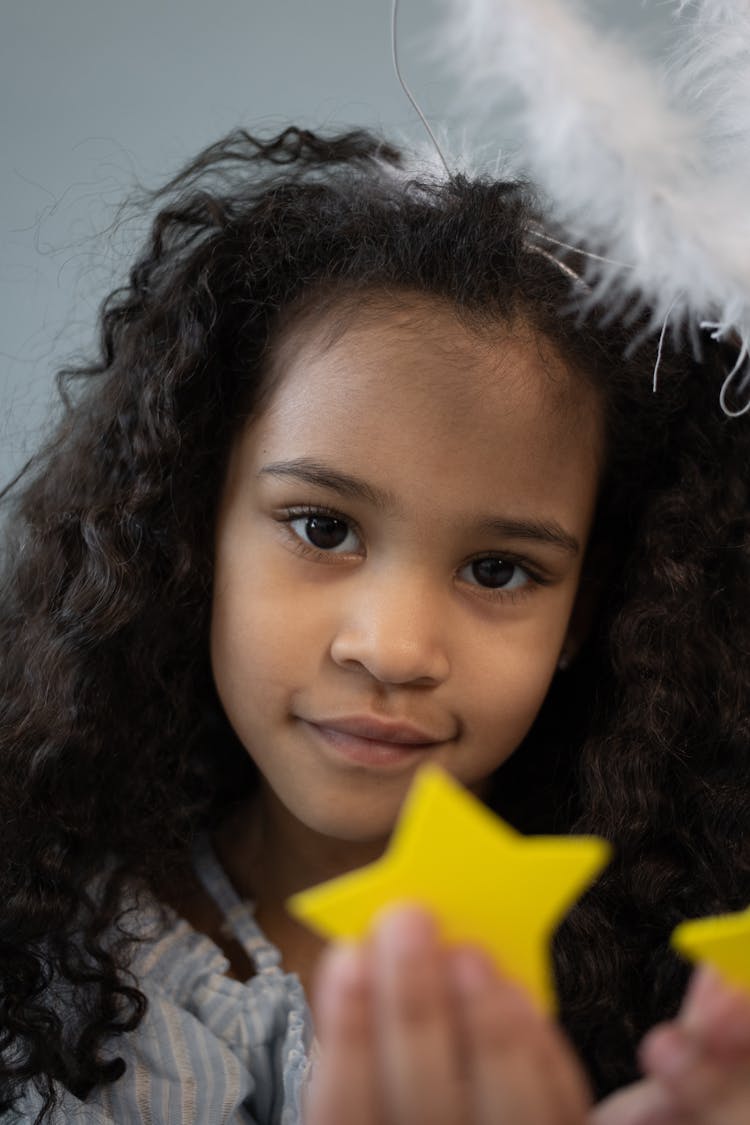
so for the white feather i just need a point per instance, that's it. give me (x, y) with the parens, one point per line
(710, 76)
(625, 167)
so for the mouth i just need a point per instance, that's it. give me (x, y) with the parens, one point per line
(370, 741)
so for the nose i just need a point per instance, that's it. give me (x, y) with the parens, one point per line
(393, 628)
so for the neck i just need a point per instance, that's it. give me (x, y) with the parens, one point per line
(269, 855)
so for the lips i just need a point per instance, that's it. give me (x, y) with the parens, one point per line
(368, 740)
(376, 729)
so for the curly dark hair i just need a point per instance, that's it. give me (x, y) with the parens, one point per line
(113, 748)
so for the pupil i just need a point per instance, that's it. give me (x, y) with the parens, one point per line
(493, 572)
(326, 532)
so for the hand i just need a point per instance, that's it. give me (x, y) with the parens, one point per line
(415, 1034)
(697, 1067)
(642, 1103)
(701, 1060)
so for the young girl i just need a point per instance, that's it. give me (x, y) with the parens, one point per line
(346, 492)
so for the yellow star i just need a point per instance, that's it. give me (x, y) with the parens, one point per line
(723, 941)
(482, 881)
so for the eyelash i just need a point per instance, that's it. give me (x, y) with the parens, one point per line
(498, 593)
(291, 514)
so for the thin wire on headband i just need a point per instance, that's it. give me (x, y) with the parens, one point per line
(566, 269)
(718, 332)
(407, 91)
(541, 233)
(662, 336)
(741, 361)
(536, 230)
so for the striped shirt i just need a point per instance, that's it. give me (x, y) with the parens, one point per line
(210, 1050)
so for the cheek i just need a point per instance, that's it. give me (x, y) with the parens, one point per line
(248, 641)
(529, 684)
(230, 650)
(264, 634)
(509, 679)
(517, 686)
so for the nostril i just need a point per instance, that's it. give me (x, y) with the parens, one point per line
(393, 658)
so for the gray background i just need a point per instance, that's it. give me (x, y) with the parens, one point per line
(98, 94)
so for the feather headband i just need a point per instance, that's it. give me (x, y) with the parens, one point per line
(650, 171)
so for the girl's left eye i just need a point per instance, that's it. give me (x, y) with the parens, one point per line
(325, 533)
(495, 573)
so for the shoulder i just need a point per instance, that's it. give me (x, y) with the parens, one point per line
(209, 1048)
(67, 1110)
(178, 1072)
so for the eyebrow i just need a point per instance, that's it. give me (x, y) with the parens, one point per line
(323, 476)
(538, 531)
(313, 472)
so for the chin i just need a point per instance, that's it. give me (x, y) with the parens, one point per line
(359, 831)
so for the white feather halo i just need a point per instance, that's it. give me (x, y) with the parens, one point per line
(651, 171)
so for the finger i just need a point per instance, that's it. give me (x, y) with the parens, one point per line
(718, 1015)
(344, 1084)
(697, 1081)
(643, 1103)
(416, 1025)
(520, 1067)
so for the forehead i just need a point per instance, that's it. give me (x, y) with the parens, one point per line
(394, 377)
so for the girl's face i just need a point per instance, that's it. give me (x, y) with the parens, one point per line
(398, 554)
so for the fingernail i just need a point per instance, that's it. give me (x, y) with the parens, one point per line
(405, 931)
